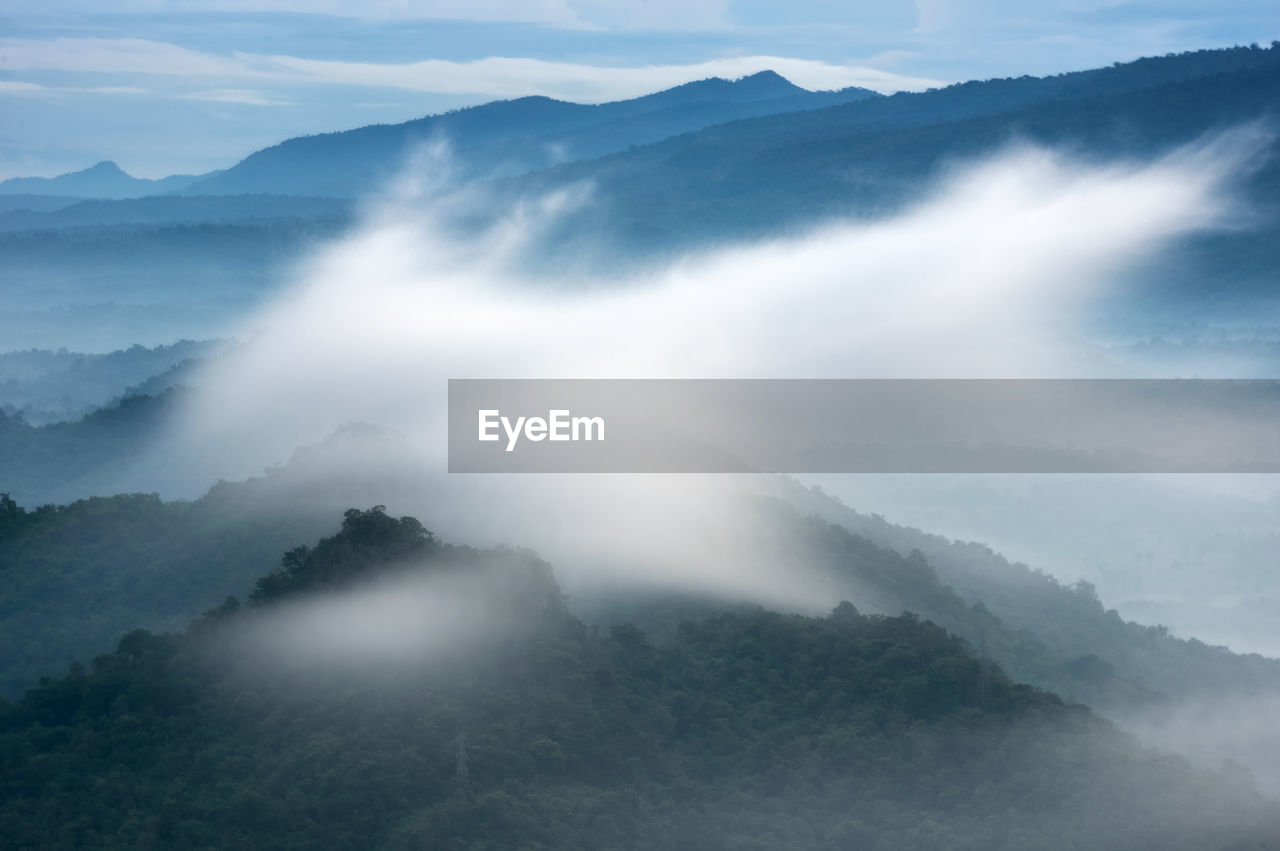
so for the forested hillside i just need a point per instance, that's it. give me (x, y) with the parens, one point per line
(139, 561)
(750, 729)
(93, 454)
(74, 578)
(205, 646)
(43, 386)
(1095, 646)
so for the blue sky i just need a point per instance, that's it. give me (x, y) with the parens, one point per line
(166, 87)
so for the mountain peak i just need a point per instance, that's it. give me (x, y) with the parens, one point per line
(762, 85)
(103, 179)
(104, 167)
(767, 76)
(767, 83)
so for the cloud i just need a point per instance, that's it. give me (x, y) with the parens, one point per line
(1218, 730)
(1009, 15)
(120, 56)
(410, 615)
(961, 285)
(16, 87)
(979, 281)
(662, 15)
(507, 77)
(244, 96)
(496, 77)
(569, 14)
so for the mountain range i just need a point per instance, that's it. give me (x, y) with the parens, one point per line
(709, 162)
(490, 140)
(758, 118)
(101, 180)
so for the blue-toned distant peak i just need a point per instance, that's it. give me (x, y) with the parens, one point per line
(764, 85)
(106, 170)
(489, 140)
(508, 137)
(103, 180)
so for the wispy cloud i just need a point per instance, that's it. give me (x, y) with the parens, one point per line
(983, 279)
(492, 76)
(510, 76)
(19, 87)
(245, 96)
(666, 15)
(971, 283)
(120, 56)
(242, 96)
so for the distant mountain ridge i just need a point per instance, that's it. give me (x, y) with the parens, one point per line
(705, 163)
(510, 137)
(44, 386)
(174, 210)
(493, 139)
(103, 180)
(28, 203)
(769, 175)
(530, 134)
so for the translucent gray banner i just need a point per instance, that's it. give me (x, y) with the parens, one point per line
(864, 426)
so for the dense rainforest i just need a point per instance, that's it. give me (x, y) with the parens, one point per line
(744, 729)
(75, 577)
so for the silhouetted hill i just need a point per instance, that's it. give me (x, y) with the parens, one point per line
(103, 180)
(786, 164)
(1054, 636)
(768, 175)
(172, 210)
(1042, 630)
(108, 287)
(520, 727)
(83, 456)
(763, 85)
(43, 386)
(506, 137)
(36, 203)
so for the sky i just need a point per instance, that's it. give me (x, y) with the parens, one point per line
(164, 87)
